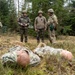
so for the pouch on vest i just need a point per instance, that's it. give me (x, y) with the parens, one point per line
(37, 21)
(51, 27)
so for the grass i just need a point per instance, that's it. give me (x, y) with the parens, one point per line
(54, 65)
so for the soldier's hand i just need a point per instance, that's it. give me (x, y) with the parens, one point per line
(35, 29)
(21, 24)
(26, 24)
(45, 29)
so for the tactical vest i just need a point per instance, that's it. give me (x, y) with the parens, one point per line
(24, 20)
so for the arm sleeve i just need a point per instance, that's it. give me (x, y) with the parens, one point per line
(28, 21)
(45, 23)
(1, 24)
(55, 20)
(35, 22)
(19, 21)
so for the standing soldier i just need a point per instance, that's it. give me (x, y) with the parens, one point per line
(52, 25)
(24, 23)
(40, 26)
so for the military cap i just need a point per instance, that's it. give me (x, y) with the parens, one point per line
(50, 10)
(24, 11)
(40, 11)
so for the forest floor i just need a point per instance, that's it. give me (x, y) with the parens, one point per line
(50, 66)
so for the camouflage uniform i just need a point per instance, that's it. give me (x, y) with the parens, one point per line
(12, 56)
(24, 23)
(40, 26)
(52, 24)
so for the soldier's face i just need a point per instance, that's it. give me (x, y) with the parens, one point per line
(50, 13)
(24, 14)
(40, 14)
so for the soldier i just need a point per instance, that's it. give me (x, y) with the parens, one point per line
(24, 23)
(40, 26)
(52, 25)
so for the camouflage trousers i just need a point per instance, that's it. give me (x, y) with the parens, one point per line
(52, 36)
(24, 33)
(40, 35)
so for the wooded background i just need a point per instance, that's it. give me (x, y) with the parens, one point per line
(65, 14)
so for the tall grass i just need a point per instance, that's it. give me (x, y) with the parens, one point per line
(52, 65)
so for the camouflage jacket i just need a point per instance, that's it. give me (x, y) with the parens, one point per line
(24, 21)
(11, 56)
(53, 20)
(40, 22)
